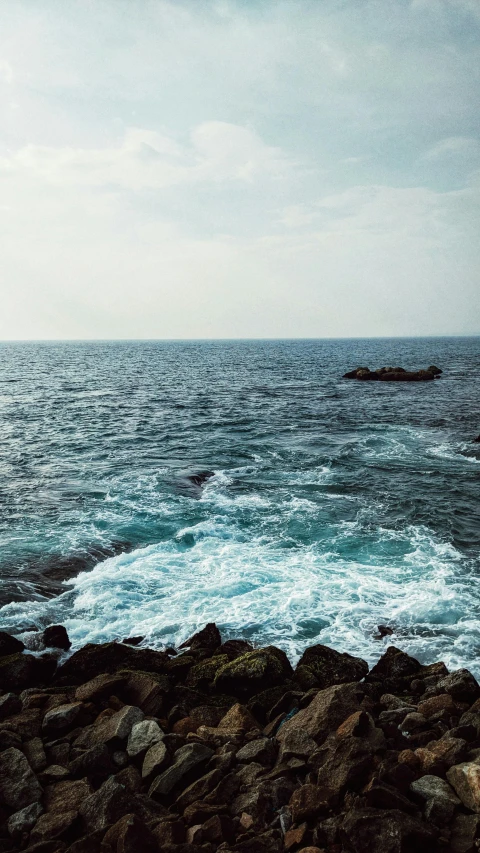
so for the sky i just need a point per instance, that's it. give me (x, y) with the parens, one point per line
(239, 168)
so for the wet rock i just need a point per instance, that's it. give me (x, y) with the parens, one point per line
(142, 736)
(323, 667)
(325, 712)
(208, 638)
(19, 787)
(252, 672)
(465, 779)
(155, 759)
(23, 820)
(56, 636)
(9, 645)
(234, 648)
(371, 830)
(105, 806)
(202, 674)
(133, 641)
(187, 760)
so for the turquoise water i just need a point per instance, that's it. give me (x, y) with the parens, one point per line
(334, 505)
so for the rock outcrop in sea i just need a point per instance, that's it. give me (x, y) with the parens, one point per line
(223, 747)
(393, 374)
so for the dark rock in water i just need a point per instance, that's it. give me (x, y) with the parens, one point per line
(200, 478)
(323, 667)
(56, 636)
(254, 671)
(9, 645)
(133, 641)
(234, 648)
(384, 630)
(208, 638)
(393, 374)
(477, 439)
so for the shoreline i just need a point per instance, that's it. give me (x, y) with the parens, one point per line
(220, 746)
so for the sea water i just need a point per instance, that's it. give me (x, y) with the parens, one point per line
(333, 505)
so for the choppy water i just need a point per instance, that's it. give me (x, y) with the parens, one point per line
(335, 505)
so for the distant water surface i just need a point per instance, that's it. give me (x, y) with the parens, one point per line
(334, 506)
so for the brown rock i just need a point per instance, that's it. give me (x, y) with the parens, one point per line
(326, 711)
(321, 666)
(130, 778)
(238, 718)
(63, 717)
(130, 835)
(67, 795)
(146, 691)
(208, 638)
(99, 688)
(198, 790)
(386, 831)
(169, 832)
(295, 836)
(19, 786)
(465, 831)
(465, 779)
(408, 757)
(218, 828)
(53, 825)
(105, 806)
(308, 801)
(433, 706)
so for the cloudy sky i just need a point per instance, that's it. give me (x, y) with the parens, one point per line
(239, 168)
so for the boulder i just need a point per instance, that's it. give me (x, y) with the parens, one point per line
(129, 835)
(325, 712)
(145, 690)
(433, 788)
(18, 670)
(460, 685)
(155, 759)
(67, 795)
(9, 704)
(99, 688)
(208, 638)
(394, 665)
(23, 820)
(262, 751)
(118, 726)
(308, 801)
(96, 659)
(19, 787)
(62, 718)
(9, 645)
(369, 830)
(56, 636)
(142, 736)
(187, 760)
(95, 762)
(323, 667)
(105, 806)
(252, 672)
(465, 779)
(465, 831)
(53, 825)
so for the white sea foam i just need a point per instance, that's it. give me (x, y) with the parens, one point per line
(271, 594)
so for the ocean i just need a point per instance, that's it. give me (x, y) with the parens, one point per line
(333, 506)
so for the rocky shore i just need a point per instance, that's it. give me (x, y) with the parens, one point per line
(219, 746)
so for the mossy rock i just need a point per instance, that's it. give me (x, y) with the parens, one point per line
(202, 674)
(95, 658)
(323, 667)
(19, 671)
(253, 672)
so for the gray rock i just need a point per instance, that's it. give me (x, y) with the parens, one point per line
(262, 750)
(461, 685)
(19, 787)
(192, 756)
(412, 722)
(118, 726)
(465, 830)
(105, 806)
(155, 759)
(143, 735)
(63, 717)
(439, 811)
(296, 744)
(22, 821)
(35, 754)
(432, 787)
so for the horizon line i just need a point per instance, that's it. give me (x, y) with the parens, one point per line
(232, 339)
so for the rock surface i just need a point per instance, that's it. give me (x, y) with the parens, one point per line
(393, 374)
(224, 747)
